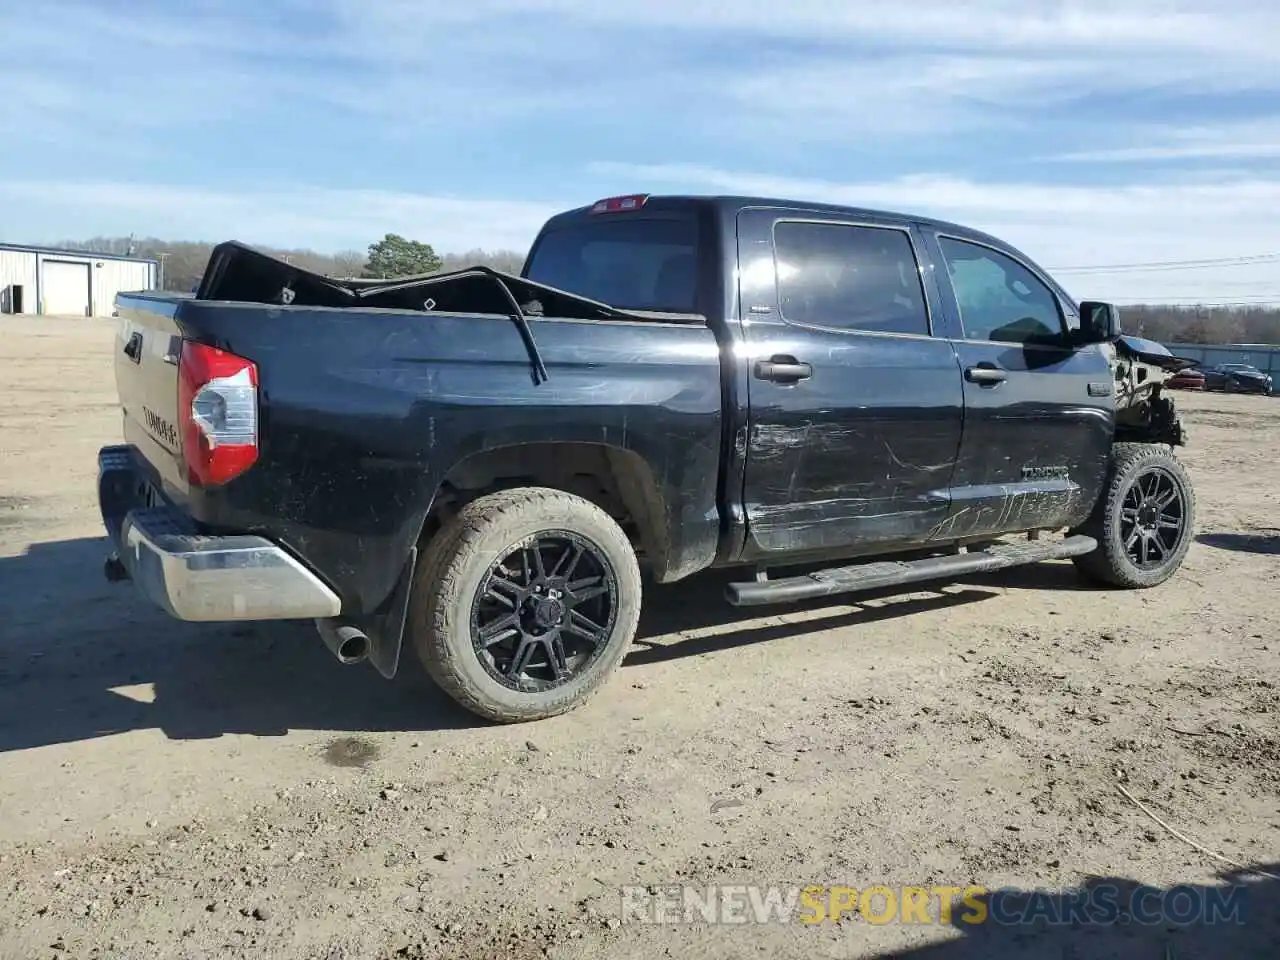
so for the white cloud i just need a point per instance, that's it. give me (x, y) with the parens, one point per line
(323, 219)
(812, 69)
(307, 89)
(1232, 26)
(1247, 140)
(1059, 226)
(822, 70)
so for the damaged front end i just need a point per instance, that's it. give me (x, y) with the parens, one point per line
(1140, 369)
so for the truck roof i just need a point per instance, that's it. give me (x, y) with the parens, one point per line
(732, 203)
(727, 207)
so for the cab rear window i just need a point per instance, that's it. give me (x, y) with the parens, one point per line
(630, 263)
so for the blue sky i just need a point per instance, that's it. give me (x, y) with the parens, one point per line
(1088, 133)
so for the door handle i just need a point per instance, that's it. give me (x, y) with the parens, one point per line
(985, 375)
(133, 349)
(783, 369)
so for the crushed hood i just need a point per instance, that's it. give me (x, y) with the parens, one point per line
(1152, 353)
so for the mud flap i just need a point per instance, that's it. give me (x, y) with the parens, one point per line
(385, 628)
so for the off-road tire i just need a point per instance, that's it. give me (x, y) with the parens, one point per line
(1110, 563)
(452, 569)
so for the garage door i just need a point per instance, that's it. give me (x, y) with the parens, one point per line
(64, 287)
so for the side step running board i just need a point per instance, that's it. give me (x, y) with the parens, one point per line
(892, 573)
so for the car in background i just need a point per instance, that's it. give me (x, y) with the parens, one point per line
(1189, 379)
(1237, 378)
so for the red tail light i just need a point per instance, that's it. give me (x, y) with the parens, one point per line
(218, 413)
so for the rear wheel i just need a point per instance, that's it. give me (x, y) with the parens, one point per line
(1143, 521)
(525, 604)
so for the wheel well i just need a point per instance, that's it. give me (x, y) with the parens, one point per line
(618, 481)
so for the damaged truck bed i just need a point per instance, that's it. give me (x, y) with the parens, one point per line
(237, 272)
(482, 465)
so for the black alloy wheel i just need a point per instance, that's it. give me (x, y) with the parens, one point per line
(1152, 518)
(544, 611)
(525, 603)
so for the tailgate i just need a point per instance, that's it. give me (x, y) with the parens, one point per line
(147, 350)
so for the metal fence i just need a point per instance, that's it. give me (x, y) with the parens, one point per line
(1261, 355)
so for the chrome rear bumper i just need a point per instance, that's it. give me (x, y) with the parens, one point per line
(199, 577)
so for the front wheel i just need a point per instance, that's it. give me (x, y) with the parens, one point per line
(1144, 519)
(525, 603)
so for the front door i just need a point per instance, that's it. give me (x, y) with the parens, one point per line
(1039, 413)
(855, 409)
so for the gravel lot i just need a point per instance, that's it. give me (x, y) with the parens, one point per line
(172, 790)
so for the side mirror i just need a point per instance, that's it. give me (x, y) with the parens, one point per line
(1099, 322)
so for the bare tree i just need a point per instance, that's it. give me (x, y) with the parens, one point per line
(1178, 324)
(184, 260)
(508, 261)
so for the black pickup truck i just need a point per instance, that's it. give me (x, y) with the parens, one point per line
(483, 464)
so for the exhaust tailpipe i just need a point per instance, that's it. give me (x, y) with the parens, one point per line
(114, 569)
(349, 644)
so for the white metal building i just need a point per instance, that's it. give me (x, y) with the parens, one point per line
(69, 282)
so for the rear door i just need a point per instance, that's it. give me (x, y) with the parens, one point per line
(855, 409)
(1039, 413)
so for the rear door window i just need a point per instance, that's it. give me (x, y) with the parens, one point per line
(632, 263)
(849, 277)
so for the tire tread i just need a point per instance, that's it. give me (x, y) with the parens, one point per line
(1108, 564)
(439, 608)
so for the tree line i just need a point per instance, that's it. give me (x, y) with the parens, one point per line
(396, 256)
(1192, 324)
(183, 261)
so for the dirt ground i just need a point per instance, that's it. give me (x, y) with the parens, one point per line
(174, 790)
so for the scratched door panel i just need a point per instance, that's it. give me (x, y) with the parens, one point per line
(857, 455)
(1039, 414)
(1035, 445)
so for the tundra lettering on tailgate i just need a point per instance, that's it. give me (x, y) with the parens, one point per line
(161, 428)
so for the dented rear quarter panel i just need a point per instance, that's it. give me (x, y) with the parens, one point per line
(364, 412)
